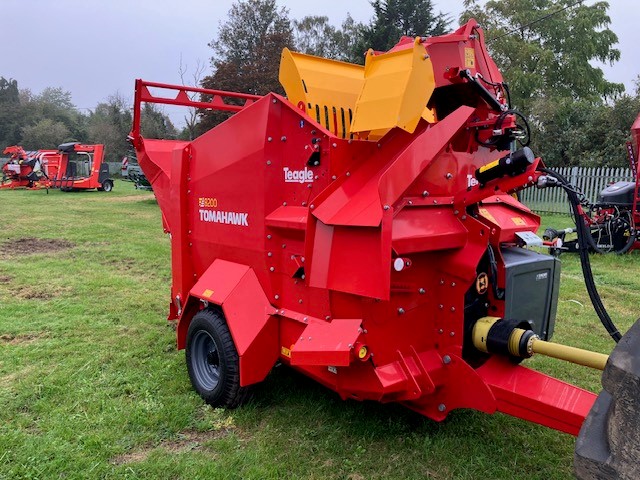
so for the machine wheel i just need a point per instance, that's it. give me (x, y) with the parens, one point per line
(212, 361)
(608, 446)
(107, 185)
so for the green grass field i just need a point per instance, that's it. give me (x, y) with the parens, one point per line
(91, 385)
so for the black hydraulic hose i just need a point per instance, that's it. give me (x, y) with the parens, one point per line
(584, 242)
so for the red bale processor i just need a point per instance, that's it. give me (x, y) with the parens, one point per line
(82, 167)
(29, 169)
(362, 230)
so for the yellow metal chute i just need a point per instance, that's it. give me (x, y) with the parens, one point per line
(397, 87)
(391, 90)
(327, 89)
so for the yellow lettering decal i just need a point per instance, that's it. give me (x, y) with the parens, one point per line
(207, 293)
(518, 220)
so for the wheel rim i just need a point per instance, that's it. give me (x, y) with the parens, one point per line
(205, 360)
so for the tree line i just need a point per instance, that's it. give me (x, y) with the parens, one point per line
(545, 49)
(45, 120)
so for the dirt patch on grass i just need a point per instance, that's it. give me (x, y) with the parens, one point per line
(187, 441)
(21, 338)
(32, 245)
(36, 292)
(5, 279)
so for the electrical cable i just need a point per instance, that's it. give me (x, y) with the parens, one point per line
(585, 241)
(544, 17)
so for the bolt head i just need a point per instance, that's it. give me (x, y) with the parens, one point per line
(400, 311)
(442, 407)
(446, 359)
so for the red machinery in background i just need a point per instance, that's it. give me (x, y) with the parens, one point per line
(29, 169)
(362, 231)
(614, 219)
(82, 167)
(73, 166)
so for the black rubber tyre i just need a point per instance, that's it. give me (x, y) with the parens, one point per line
(107, 186)
(212, 361)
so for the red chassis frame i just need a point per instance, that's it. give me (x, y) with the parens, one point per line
(302, 270)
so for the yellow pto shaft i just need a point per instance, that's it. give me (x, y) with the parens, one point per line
(495, 335)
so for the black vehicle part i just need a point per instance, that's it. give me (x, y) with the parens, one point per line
(212, 361)
(585, 241)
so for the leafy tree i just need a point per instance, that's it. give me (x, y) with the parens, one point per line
(546, 47)
(46, 133)
(395, 18)
(154, 123)
(314, 35)
(580, 132)
(247, 52)
(10, 133)
(110, 124)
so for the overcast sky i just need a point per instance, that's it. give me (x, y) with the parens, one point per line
(94, 48)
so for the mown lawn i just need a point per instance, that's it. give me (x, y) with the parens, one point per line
(91, 385)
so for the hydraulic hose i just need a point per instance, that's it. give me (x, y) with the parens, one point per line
(584, 242)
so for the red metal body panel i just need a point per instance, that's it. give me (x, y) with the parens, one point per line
(85, 180)
(299, 253)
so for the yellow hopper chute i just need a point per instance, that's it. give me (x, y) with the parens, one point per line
(391, 90)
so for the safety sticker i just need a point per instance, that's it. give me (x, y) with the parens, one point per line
(482, 283)
(285, 351)
(486, 214)
(518, 220)
(207, 293)
(469, 58)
